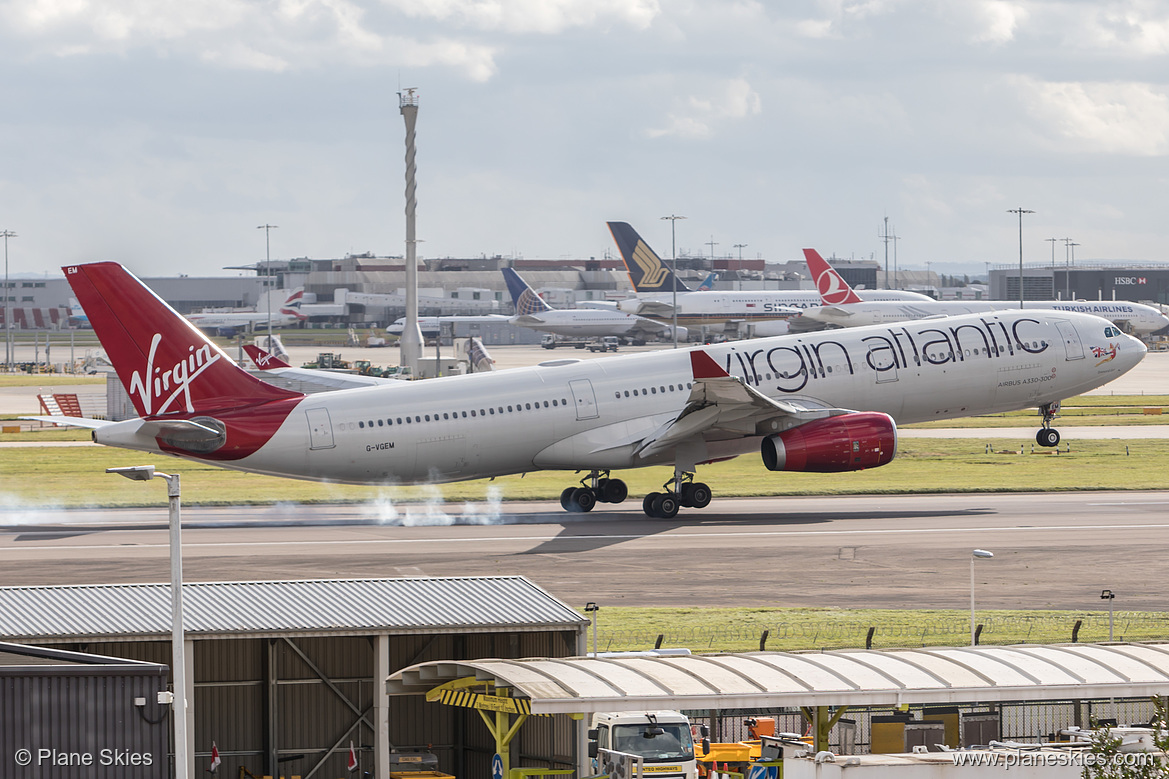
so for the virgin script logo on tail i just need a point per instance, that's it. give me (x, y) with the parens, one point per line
(168, 385)
(653, 273)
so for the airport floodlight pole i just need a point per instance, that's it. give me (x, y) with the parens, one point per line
(977, 554)
(7, 308)
(591, 609)
(1052, 241)
(1020, 211)
(178, 654)
(740, 246)
(1109, 596)
(895, 238)
(886, 237)
(1067, 267)
(410, 342)
(674, 268)
(267, 228)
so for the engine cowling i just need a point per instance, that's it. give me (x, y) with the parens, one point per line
(850, 442)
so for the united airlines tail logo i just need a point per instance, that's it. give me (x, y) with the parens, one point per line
(832, 287)
(530, 303)
(173, 383)
(1105, 354)
(653, 273)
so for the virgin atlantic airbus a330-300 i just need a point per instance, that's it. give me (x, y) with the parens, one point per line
(824, 402)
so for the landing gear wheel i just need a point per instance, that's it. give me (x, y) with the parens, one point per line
(612, 490)
(566, 498)
(647, 504)
(1048, 436)
(583, 500)
(698, 495)
(665, 505)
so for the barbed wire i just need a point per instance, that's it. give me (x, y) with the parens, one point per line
(812, 634)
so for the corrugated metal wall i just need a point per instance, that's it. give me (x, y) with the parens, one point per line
(231, 689)
(66, 717)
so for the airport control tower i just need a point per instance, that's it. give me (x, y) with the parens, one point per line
(411, 340)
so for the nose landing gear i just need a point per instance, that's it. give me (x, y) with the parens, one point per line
(594, 489)
(1048, 435)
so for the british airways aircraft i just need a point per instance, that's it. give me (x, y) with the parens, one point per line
(825, 402)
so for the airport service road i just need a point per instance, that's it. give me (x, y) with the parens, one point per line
(1051, 551)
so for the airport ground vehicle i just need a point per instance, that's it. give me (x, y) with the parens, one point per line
(661, 738)
(551, 341)
(607, 344)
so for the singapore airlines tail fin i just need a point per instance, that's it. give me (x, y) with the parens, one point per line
(646, 269)
(527, 302)
(165, 363)
(834, 290)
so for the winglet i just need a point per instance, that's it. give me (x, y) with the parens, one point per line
(265, 361)
(834, 290)
(704, 366)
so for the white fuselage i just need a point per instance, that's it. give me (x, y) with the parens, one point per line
(241, 319)
(570, 414)
(718, 307)
(588, 322)
(1141, 318)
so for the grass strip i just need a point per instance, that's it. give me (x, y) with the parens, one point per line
(74, 476)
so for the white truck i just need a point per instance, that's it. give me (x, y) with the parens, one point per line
(661, 738)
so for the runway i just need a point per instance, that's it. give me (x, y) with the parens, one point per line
(1051, 550)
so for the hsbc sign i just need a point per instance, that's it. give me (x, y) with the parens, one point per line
(1129, 281)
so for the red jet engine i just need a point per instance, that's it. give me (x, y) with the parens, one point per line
(850, 442)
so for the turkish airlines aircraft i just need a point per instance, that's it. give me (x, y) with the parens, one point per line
(768, 309)
(844, 309)
(534, 312)
(825, 402)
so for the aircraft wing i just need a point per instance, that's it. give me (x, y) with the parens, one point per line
(654, 308)
(724, 407)
(528, 320)
(310, 380)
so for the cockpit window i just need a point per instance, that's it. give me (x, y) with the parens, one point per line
(1111, 332)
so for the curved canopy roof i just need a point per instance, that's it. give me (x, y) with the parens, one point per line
(843, 678)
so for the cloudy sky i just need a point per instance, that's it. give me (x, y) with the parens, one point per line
(160, 132)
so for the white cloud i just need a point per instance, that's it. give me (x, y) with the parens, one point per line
(698, 116)
(995, 21)
(532, 16)
(291, 34)
(1107, 118)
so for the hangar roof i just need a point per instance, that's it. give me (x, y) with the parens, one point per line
(316, 607)
(842, 678)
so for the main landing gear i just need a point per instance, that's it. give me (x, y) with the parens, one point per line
(598, 489)
(1047, 435)
(681, 492)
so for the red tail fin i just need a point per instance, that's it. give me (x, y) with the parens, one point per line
(165, 363)
(833, 288)
(265, 361)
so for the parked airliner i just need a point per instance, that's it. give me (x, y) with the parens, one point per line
(825, 402)
(534, 312)
(843, 311)
(228, 322)
(767, 311)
